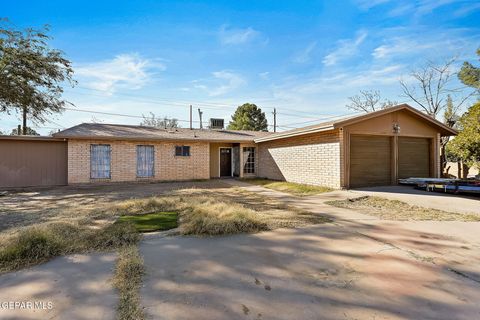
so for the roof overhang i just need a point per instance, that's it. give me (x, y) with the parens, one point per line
(298, 132)
(443, 129)
(117, 138)
(31, 138)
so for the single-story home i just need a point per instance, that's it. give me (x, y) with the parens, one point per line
(373, 149)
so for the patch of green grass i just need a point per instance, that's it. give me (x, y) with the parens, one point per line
(39, 244)
(399, 210)
(157, 221)
(127, 278)
(297, 189)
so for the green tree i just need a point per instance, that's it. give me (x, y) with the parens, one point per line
(31, 73)
(466, 145)
(470, 75)
(29, 132)
(248, 117)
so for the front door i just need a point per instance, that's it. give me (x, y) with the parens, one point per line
(225, 162)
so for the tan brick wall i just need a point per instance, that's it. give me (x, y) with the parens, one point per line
(311, 159)
(124, 165)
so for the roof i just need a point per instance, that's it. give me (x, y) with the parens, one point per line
(128, 132)
(339, 123)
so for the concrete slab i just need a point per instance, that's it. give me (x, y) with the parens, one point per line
(435, 200)
(71, 287)
(322, 272)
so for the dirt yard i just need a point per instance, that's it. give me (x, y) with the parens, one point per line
(93, 205)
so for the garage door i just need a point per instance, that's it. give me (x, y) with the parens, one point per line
(413, 157)
(27, 163)
(370, 161)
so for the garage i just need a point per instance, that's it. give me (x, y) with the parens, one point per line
(370, 161)
(32, 161)
(413, 157)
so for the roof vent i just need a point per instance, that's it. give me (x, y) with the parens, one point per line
(216, 123)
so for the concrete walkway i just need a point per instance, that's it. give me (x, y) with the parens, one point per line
(358, 267)
(75, 287)
(435, 200)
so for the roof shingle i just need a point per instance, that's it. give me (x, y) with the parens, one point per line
(130, 132)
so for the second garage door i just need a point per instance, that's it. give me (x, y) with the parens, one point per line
(370, 161)
(413, 157)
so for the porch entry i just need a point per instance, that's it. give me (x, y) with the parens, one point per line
(225, 162)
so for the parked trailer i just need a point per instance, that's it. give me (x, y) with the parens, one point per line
(471, 186)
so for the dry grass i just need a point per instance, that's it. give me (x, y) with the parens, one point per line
(398, 210)
(129, 271)
(207, 212)
(296, 189)
(34, 245)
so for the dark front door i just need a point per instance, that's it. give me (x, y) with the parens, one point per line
(225, 162)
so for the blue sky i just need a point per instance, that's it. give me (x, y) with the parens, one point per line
(303, 57)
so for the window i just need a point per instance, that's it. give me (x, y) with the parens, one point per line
(182, 151)
(145, 161)
(100, 158)
(248, 160)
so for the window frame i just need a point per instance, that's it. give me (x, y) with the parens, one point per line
(249, 167)
(183, 153)
(92, 158)
(145, 147)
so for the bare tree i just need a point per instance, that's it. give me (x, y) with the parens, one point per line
(432, 86)
(432, 91)
(369, 101)
(153, 121)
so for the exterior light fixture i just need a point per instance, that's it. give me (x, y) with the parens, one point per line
(396, 128)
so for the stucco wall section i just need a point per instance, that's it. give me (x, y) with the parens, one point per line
(123, 161)
(310, 159)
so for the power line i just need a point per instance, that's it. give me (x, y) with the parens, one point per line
(185, 103)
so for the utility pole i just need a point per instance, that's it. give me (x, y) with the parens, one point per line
(191, 125)
(274, 119)
(200, 115)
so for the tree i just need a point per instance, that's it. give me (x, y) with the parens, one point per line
(431, 88)
(466, 144)
(29, 131)
(31, 74)
(369, 101)
(153, 121)
(469, 75)
(248, 117)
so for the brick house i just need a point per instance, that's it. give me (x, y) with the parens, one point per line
(372, 149)
(377, 148)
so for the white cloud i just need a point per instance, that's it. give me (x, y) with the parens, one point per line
(220, 83)
(230, 80)
(304, 55)
(368, 4)
(264, 75)
(345, 48)
(401, 46)
(129, 71)
(237, 36)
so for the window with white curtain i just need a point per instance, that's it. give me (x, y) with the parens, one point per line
(145, 161)
(249, 160)
(100, 158)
